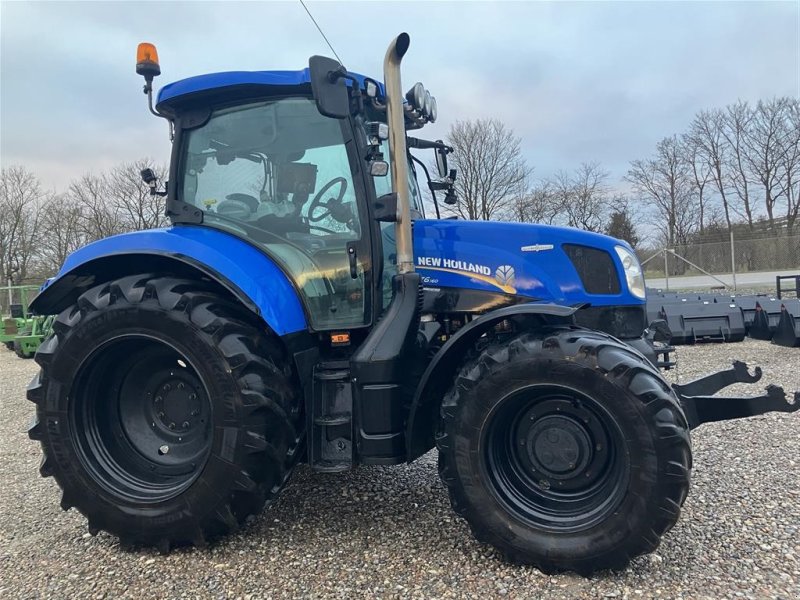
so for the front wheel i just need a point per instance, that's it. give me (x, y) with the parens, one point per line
(565, 449)
(166, 413)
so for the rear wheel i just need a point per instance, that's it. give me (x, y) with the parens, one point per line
(166, 413)
(565, 449)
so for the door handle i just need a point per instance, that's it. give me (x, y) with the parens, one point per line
(352, 259)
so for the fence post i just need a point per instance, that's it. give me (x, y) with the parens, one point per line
(733, 261)
(666, 269)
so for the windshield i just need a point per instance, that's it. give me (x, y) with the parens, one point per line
(278, 173)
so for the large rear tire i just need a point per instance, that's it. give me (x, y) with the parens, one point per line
(166, 412)
(564, 449)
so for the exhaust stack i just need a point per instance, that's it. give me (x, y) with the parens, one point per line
(397, 144)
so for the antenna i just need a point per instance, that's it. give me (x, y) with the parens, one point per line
(322, 33)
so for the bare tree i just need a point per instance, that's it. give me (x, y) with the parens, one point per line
(491, 168)
(701, 173)
(588, 204)
(117, 201)
(129, 197)
(706, 134)
(666, 183)
(581, 196)
(764, 145)
(536, 205)
(21, 197)
(99, 219)
(736, 125)
(789, 163)
(62, 221)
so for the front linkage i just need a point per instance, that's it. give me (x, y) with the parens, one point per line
(701, 406)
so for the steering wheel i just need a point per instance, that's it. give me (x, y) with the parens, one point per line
(330, 205)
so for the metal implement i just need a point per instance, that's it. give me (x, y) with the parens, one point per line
(701, 406)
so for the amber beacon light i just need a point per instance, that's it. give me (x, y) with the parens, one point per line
(147, 61)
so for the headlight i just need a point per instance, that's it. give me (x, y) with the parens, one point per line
(633, 271)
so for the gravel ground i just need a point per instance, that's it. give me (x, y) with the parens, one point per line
(389, 532)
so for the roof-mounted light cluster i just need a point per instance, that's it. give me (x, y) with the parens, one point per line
(421, 107)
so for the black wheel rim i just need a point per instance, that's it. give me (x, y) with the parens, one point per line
(142, 419)
(556, 458)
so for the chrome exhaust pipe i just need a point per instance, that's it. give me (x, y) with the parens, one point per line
(397, 145)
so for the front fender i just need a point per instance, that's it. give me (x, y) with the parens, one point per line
(438, 377)
(244, 270)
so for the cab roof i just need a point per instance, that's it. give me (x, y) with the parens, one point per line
(174, 93)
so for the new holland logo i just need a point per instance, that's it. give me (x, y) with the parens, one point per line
(504, 275)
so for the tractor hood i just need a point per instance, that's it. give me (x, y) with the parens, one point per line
(518, 262)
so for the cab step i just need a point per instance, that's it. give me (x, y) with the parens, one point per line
(331, 418)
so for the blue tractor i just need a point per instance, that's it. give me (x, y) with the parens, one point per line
(302, 308)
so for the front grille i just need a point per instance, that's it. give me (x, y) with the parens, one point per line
(595, 268)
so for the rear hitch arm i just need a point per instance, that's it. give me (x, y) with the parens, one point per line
(701, 407)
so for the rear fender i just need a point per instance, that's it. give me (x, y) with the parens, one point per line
(243, 270)
(438, 377)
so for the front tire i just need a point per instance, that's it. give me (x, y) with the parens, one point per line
(165, 411)
(564, 449)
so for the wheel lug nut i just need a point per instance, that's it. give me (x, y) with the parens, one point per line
(172, 425)
(159, 399)
(195, 413)
(192, 396)
(167, 387)
(163, 449)
(181, 386)
(185, 425)
(161, 415)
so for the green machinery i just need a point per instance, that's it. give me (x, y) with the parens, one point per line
(19, 330)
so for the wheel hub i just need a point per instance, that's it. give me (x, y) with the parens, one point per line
(176, 403)
(558, 447)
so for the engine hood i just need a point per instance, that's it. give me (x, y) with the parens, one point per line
(524, 261)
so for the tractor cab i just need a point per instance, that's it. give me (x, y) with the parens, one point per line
(255, 156)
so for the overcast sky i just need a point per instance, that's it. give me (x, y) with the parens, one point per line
(576, 81)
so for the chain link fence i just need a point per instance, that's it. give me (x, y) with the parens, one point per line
(16, 295)
(765, 254)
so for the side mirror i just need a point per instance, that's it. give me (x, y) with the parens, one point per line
(441, 160)
(329, 87)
